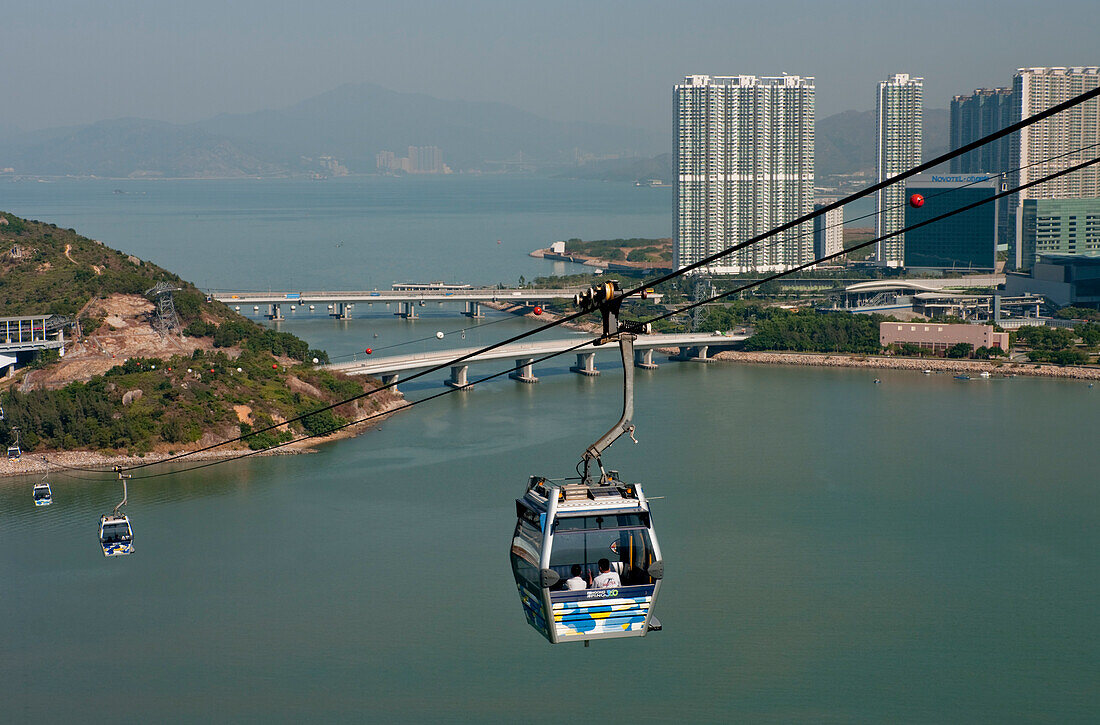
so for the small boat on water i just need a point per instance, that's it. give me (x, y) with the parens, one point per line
(962, 377)
(926, 372)
(984, 374)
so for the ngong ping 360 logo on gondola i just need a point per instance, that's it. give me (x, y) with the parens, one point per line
(603, 593)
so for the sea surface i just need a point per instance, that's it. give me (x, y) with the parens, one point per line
(922, 550)
(345, 233)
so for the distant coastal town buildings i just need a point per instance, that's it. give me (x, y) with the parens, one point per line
(743, 164)
(420, 160)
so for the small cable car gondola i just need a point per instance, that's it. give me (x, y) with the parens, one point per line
(584, 554)
(43, 495)
(115, 535)
(14, 451)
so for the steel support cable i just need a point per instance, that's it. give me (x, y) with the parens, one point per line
(681, 272)
(680, 310)
(938, 194)
(1088, 95)
(372, 416)
(861, 245)
(425, 339)
(951, 190)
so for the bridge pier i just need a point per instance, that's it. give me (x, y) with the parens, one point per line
(388, 378)
(644, 359)
(473, 309)
(524, 372)
(458, 378)
(274, 311)
(694, 353)
(586, 364)
(341, 310)
(406, 310)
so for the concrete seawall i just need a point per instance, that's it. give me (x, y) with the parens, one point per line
(895, 363)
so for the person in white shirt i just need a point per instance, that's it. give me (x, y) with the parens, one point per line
(607, 579)
(575, 582)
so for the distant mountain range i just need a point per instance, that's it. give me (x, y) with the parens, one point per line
(354, 122)
(350, 123)
(130, 147)
(845, 144)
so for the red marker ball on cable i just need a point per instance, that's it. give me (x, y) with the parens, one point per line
(369, 350)
(538, 310)
(916, 201)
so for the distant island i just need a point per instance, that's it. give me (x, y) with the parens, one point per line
(126, 387)
(612, 254)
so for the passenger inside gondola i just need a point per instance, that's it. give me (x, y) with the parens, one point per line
(576, 582)
(584, 542)
(115, 533)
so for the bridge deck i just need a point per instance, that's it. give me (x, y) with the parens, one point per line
(521, 350)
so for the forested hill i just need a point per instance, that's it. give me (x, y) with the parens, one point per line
(124, 387)
(47, 269)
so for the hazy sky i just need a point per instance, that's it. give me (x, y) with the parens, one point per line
(64, 62)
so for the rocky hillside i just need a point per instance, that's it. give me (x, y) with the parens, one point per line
(122, 386)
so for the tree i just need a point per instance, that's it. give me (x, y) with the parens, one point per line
(960, 350)
(1089, 333)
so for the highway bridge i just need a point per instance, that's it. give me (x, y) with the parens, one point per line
(339, 303)
(691, 346)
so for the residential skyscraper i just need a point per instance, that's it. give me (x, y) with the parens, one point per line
(985, 111)
(828, 232)
(1063, 135)
(899, 110)
(744, 159)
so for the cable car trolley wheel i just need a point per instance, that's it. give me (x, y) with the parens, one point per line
(584, 554)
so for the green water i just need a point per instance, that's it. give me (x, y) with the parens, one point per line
(923, 550)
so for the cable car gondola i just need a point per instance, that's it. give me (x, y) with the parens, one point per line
(14, 451)
(43, 495)
(115, 535)
(585, 555)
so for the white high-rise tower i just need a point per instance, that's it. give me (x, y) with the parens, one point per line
(898, 107)
(1070, 135)
(744, 161)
